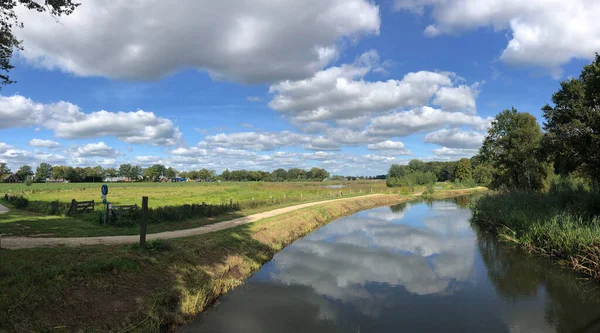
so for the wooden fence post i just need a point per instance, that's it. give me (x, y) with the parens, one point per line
(230, 203)
(73, 206)
(144, 222)
(54, 208)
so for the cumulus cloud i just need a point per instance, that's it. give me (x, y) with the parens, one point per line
(455, 138)
(426, 118)
(454, 153)
(245, 41)
(69, 122)
(44, 144)
(542, 33)
(457, 99)
(99, 149)
(254, 140)
(395, 147)
(341, 93)
(14, 157)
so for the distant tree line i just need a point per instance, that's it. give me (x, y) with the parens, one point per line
(157, 172)
(418, 172)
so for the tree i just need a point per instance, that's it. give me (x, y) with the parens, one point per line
(136, 172)
(8, 41)
(155, 172)
(24, 172)
(111, 172)
(463, 169)
(125, 170)
(279, 175)
(318, 173)
(170, 173)
(572, 125)
(4, 169)
(512, 147)
(43, 171)
(416, 165)
(397, 170)
(483, 173)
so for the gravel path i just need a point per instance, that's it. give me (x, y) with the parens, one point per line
(3, 209)
(30, 242)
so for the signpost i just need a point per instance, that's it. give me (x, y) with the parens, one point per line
(104, 191)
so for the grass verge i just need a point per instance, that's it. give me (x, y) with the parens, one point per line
(563, 224)
(126, 289)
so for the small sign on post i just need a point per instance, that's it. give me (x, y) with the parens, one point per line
(104, 191)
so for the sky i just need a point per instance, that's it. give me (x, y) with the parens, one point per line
(351, 86)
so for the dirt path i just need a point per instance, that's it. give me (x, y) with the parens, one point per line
(3, 209)
(30, 242)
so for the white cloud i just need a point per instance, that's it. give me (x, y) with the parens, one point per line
(544, 33)
(44, 143)
(69, 122)
(457, 99)
(405, 123)
(455, 138)
(395, 147)
(15, 157)
(341, 93)
(454, 153)
(254, 140)
(254, 99)
(245, 41)
(18, 111)
(99, 149)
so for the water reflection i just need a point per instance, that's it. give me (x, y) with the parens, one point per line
(416, 267)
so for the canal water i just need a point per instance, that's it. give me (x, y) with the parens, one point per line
(415, 267)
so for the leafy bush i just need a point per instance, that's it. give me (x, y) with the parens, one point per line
(412, 179)
(28, 182)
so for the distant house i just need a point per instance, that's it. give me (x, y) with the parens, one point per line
(117, 179)
(55, 180)
(10, 178)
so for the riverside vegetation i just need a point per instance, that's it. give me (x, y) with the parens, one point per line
(547, 197)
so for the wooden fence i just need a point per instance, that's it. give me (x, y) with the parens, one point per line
(81, 207)
(118, 210)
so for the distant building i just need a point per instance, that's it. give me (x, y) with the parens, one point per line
(55, 180)
(178, 179)
(10, 178)
(117, 179)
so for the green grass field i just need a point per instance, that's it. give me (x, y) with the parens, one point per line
(25, 223)
(173, 194)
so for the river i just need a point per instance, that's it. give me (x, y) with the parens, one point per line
(415, 267)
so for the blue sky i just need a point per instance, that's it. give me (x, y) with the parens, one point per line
(352, 86)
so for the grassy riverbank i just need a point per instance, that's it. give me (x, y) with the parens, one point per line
(123, 288)
(563, 223)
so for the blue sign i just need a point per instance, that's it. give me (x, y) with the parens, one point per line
(104, 189)
(104, 202)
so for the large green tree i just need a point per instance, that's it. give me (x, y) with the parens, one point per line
(572, 125)
(512, 147)
(43, 171)
(24, 172)
(9, 20)
(4, 169)
(463, 169)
